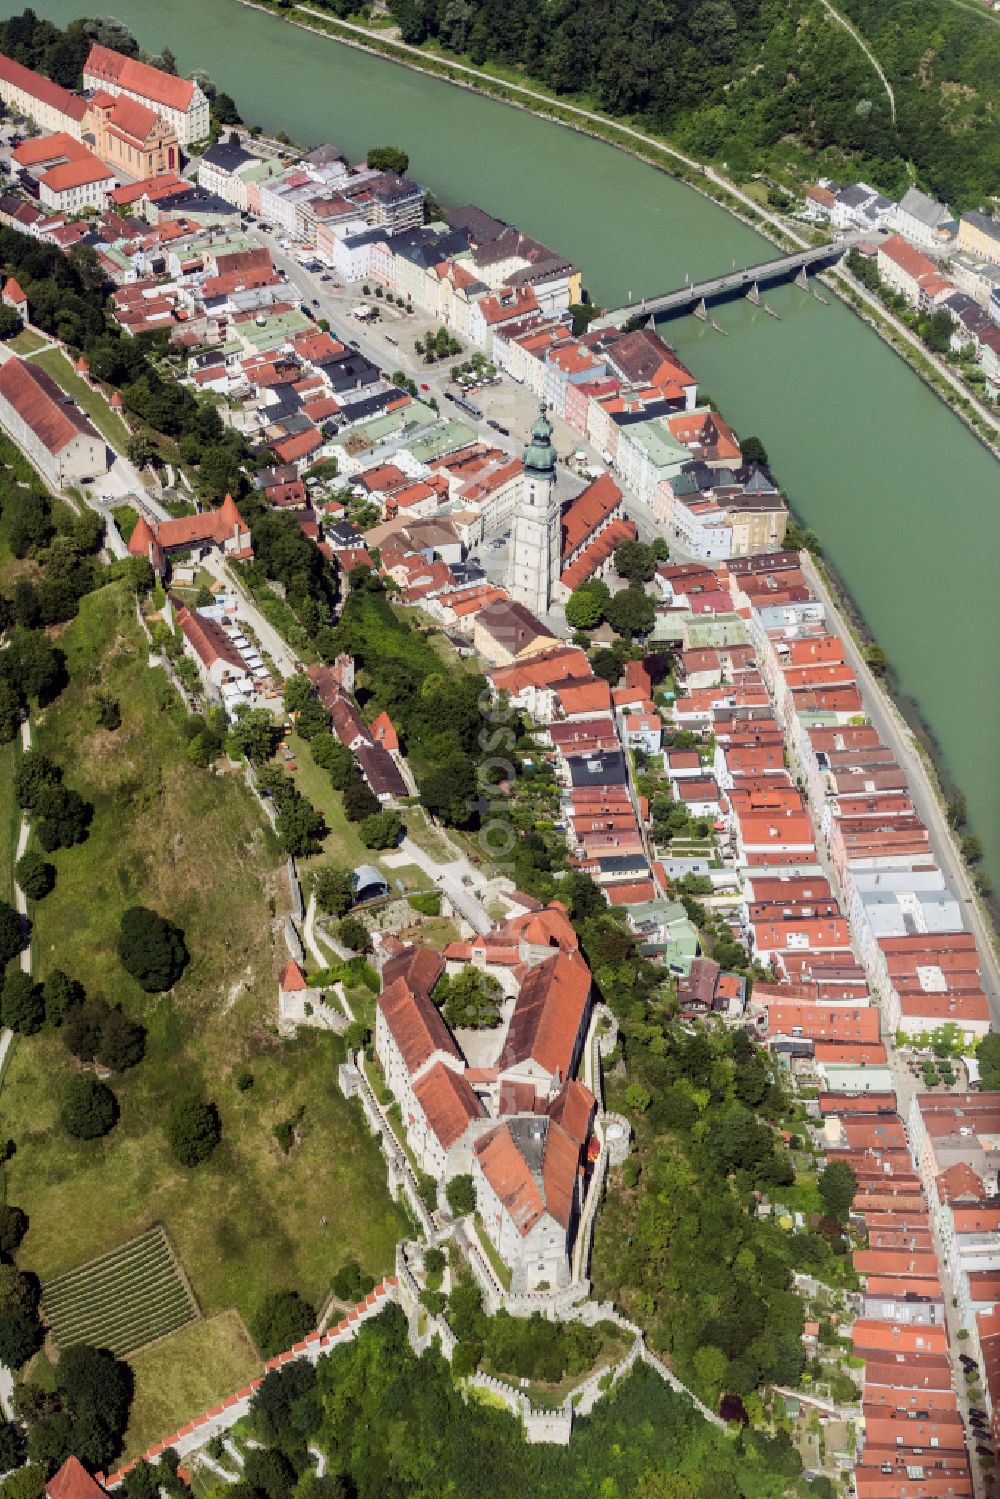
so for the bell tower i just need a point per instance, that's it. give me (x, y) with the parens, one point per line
(536, 535)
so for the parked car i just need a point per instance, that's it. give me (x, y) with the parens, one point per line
(424, 386)
(315, 301)
(327, 277)
(354, 344)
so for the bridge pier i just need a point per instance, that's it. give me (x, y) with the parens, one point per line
(701, 311)
(753, 294)
(802, 279)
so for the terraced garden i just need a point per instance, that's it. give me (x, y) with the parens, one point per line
(123, 1300)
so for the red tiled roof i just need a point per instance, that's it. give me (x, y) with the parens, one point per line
(448, 1103)
(77, 174)
(41, 88)
(132, 118)
(292, 978)
(589, 510)
(548, 1014)
(41, 404)
(208, 639)
(139, 78)
(415, 1025)
(73, 1482)
(597, 553)
(512, 1179)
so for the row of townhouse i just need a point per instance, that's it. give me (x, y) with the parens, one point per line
(518, 1120)
(913, 1442)
(906, 923)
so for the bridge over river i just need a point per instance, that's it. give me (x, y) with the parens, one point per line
(694, 296)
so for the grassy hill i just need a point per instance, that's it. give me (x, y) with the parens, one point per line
(193, 845)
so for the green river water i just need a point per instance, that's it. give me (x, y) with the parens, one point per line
(903, 496)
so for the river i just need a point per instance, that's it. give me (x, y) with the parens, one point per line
(903, 496)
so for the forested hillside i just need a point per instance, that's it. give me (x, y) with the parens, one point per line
(758, 84)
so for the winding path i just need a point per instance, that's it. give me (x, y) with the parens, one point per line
(7, 1036)
(850, 27)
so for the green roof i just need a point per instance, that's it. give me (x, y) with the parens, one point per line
(713, 631)
(276, 330)
(391, 424)
(661, 446)
(447, 439)
(540, 455)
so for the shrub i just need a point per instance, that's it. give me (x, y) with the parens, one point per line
(351, 1283)
(13, 1227)
(193, 1130)
(244, 1080)
(461, 1195)
(281, 1320)
(89, 1109)
(353, 933)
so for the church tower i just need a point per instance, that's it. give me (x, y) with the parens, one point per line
(536, 535)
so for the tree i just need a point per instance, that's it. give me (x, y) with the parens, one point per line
(35, 875)
(972, 849)
(988, 1057)
(461, 1195)
(61, 994)
(143, 1481)
(584, 609)
(382, 830)
(151, 949)
(254, 735)
(269, 1472)
(14, 933)
(351, 1283)
(470, 998)
(957, 809)
(10, 711)
(13, 1227)
(297, 692)
(753, 451)
(388, 159)
(837, 1186)
(97, 1387)
(359, 802)
(35, 775)
(335, 758)
(313, 719)
(21, 1335)
(63, 818)
(634, 561)
(282, 1319)
(22, 1008)
(89, 1108)
(876, 659)
(631, 613)
(334, 891)
(300, 828)
(122, 1042)
(193, 1130)
(10, 323)
(33, 666)
(225, 109)
(353, 933)
(607, 664)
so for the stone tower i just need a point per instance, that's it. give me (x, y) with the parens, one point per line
(536, 536)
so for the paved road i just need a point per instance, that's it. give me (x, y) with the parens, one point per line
(449, 876)
(894, 731)
(285, 660)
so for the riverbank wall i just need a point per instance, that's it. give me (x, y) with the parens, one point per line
(711, 184)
